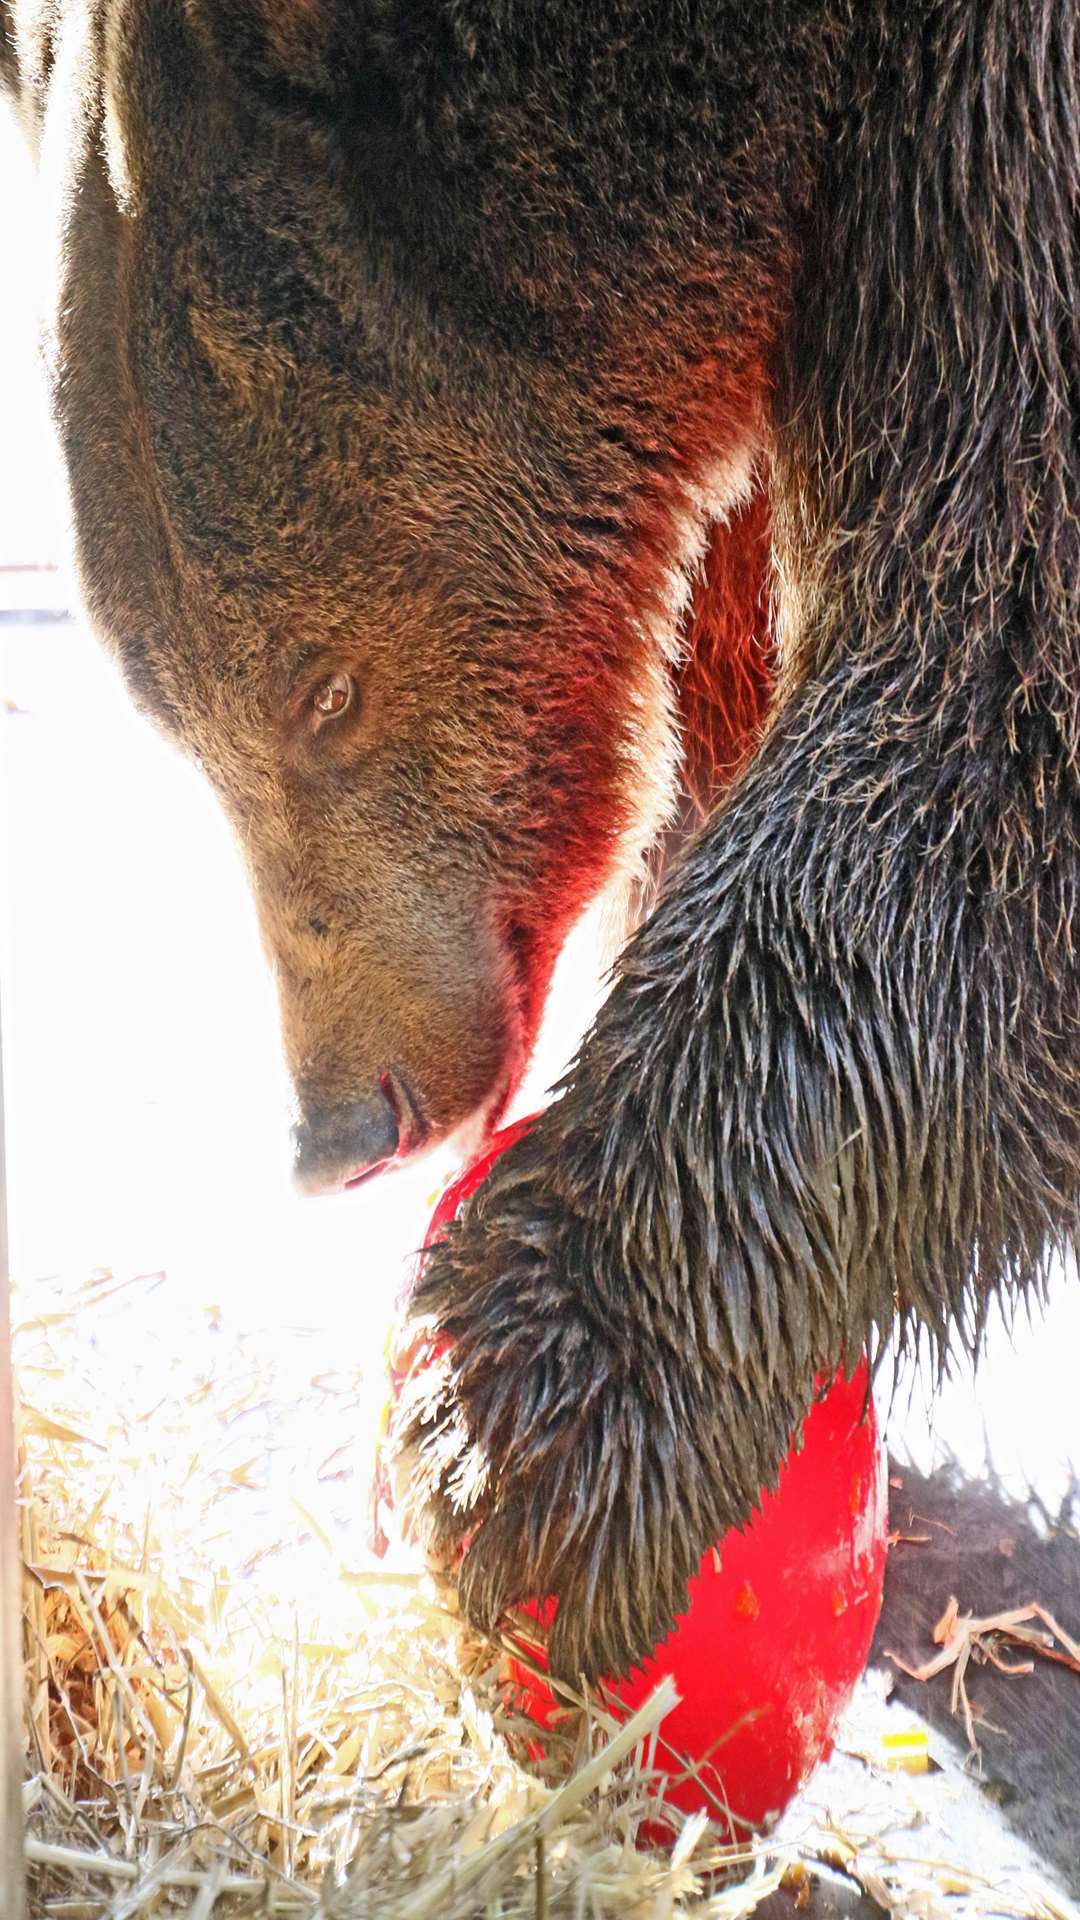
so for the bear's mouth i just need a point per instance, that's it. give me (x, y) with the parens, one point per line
(468, 1139)
(416, 1132)
(413, 1128)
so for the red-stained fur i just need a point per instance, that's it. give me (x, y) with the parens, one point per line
(726, 683)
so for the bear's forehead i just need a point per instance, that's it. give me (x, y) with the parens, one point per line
(251, 447)
(257, 353)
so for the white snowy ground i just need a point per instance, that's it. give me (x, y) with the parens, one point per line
(147, 1107)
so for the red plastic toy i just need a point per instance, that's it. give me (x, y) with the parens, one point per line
(781, 1616)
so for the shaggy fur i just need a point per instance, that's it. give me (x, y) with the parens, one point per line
(436, 340)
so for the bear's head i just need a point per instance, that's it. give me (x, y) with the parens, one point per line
(385, 500)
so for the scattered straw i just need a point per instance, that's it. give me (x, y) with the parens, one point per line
(966, 1636)
(233, 1710)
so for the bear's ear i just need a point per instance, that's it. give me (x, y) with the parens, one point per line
(315, 45)
(325, 47)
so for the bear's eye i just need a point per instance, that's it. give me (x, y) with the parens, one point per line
(334, 696)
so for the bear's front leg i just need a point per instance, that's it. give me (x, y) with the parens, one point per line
(639, 1297)
(832, 1084)
(609, 1403)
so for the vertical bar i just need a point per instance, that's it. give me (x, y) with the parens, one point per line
(12, 1861)
(12, 1875)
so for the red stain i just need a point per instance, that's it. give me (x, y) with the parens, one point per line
(725, 688)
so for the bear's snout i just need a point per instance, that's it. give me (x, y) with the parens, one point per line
(334, 1146)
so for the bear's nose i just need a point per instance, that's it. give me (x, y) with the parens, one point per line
(334, 1146)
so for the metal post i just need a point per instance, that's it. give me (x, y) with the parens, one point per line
(12, 1875)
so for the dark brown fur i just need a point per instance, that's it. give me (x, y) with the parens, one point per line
(431, 339)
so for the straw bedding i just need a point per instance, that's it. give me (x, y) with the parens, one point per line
(233, 1710)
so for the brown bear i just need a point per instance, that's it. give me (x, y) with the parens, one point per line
(456, 395)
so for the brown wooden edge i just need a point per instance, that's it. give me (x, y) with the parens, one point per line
(12, 1875)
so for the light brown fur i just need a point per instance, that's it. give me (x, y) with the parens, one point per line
(282, 464)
